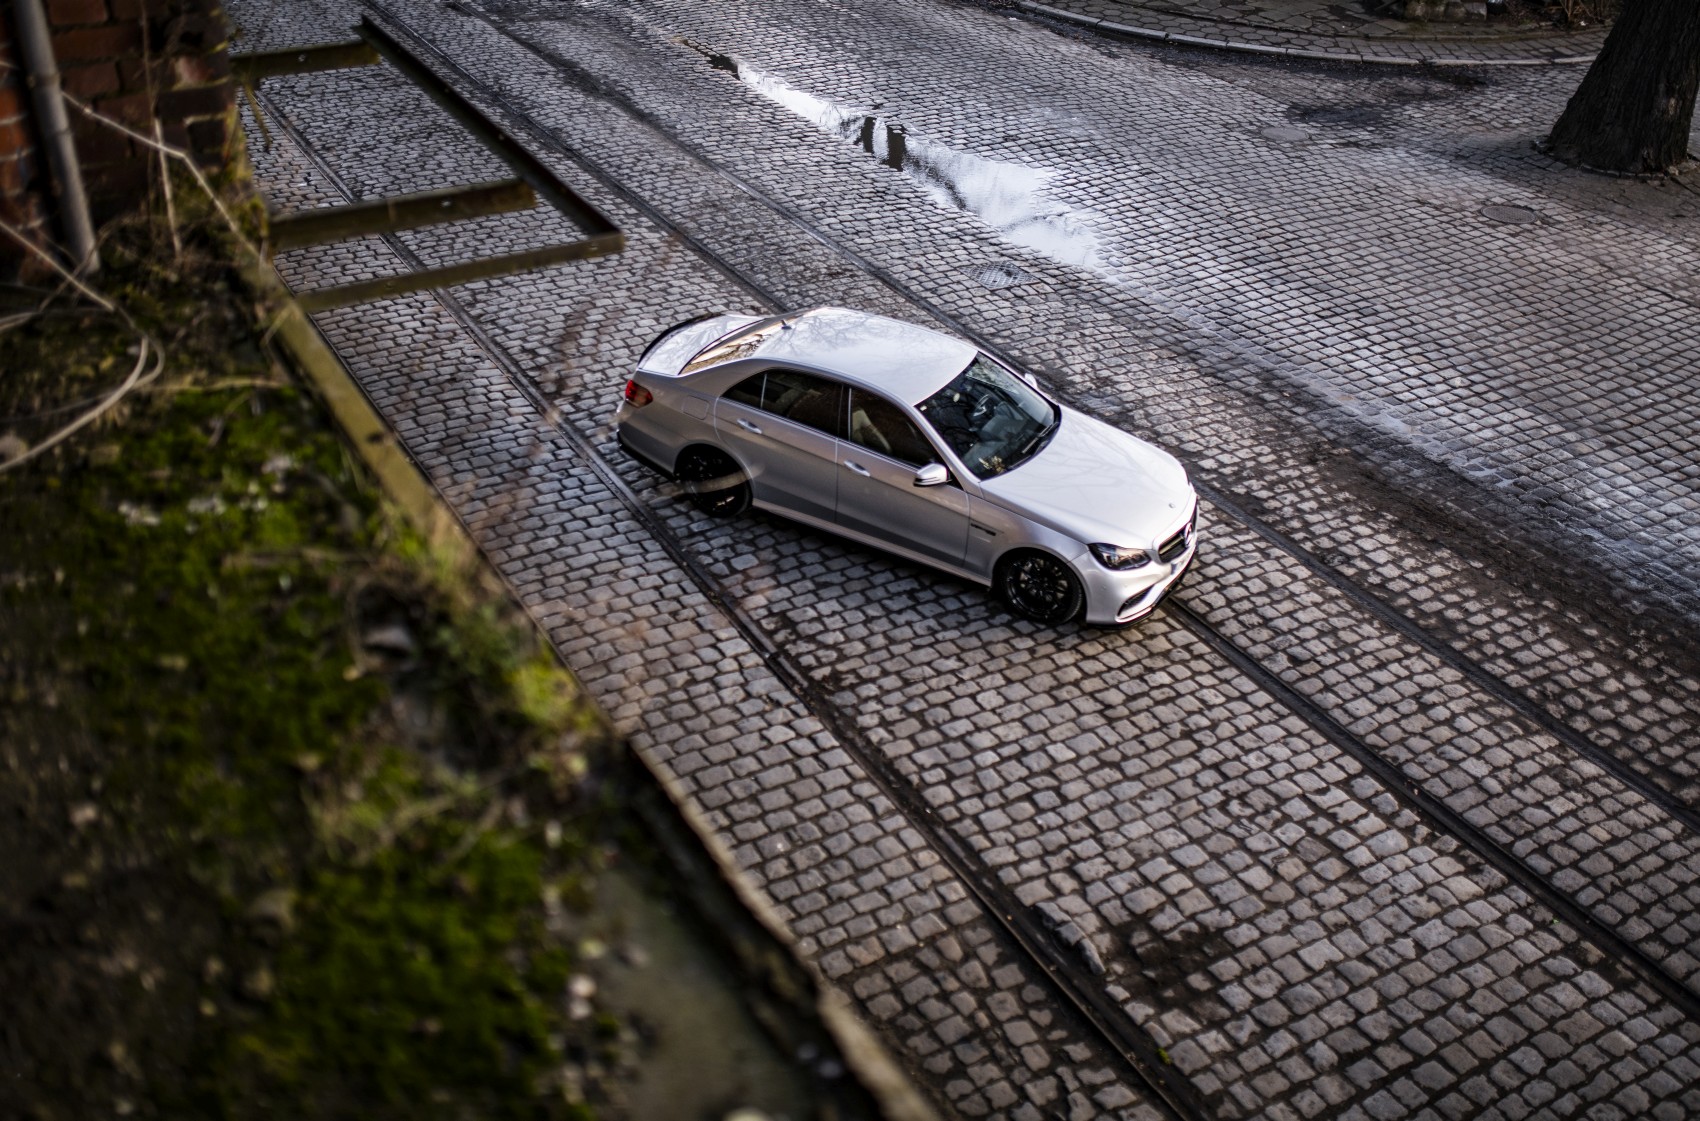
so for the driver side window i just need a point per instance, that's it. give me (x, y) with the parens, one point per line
(881, 426)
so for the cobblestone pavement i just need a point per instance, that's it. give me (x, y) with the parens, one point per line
(1337, 32)
(1036, 857)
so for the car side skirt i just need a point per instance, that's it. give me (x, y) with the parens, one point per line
(873, 542)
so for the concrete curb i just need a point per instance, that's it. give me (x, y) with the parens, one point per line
(755, 935)
(1147, 34)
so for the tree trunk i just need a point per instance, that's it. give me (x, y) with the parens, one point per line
(1634, 107)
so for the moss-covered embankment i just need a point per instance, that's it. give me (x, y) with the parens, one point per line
(296, 819)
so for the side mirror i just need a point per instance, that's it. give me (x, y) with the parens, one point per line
(932, 475)
(1031, 381)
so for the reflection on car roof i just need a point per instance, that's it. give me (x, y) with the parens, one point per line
(896, 358)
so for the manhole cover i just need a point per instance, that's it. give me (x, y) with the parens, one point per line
(1001, 276)
(1511, 215)
(1282, 132)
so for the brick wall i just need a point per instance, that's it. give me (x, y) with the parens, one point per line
(133, 61)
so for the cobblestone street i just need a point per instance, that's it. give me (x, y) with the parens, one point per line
(1393, 811)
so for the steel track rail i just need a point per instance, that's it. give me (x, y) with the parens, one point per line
(1444, 819)
(1171, 1091)
(1480, 676)
(1642, 782)
(1606, 940)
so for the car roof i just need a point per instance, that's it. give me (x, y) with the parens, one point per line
(899, 359)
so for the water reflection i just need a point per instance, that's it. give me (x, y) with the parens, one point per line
(1008, 197)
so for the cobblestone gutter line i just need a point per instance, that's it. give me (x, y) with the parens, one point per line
(807, 581)
(1644, 735)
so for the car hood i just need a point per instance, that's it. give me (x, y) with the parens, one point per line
(1097, 483)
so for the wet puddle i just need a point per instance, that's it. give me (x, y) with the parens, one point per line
(1008, 197)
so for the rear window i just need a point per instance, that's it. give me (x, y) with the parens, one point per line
(739, 344)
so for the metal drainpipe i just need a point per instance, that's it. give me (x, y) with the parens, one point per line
(43, 73)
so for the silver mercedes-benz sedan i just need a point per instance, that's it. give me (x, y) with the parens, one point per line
(920, 444)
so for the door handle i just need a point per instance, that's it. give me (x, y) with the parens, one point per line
(749, 426)
(858, 468)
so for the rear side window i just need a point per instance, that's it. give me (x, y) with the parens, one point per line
(748, 391)
(804, 398)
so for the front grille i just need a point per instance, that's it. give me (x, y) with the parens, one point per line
(1174, 546)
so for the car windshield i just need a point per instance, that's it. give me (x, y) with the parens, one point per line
(991, 419)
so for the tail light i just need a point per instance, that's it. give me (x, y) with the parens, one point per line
(638, 395)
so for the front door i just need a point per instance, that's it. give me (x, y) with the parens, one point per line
(877, 495)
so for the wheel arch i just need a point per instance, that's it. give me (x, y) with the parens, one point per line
(699, 444)
(732, 480)
(1015, 549)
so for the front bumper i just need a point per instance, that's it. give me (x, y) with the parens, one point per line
(1117, 598)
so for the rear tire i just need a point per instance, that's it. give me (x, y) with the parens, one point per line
(1040, 587)
(714, 481)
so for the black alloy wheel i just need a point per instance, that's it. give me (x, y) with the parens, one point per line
(1041, 587)
(714, 481)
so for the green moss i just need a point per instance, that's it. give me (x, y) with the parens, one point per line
(412, 989)
(202, 570)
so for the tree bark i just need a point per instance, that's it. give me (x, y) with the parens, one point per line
(1634, 107)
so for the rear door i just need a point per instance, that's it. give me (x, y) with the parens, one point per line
(783, 426)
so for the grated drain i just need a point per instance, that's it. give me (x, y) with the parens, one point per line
(1001, 276)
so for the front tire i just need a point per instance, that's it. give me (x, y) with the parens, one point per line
(1040, 587)
(714, 481)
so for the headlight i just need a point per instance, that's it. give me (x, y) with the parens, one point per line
(1120, 558)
